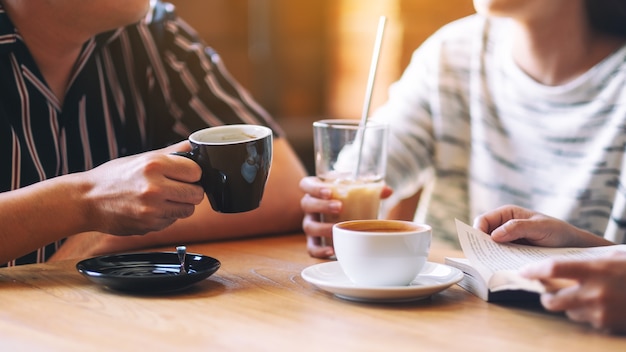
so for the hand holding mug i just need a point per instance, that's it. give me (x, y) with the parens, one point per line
(140, 193)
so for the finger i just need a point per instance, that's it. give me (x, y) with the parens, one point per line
(316, 250)
(182, 169)
(492, 220)
(510, 231)
(562, 300)
(574, 304)
(140, 226)
(588, 303)
(315, 187)
(165, 211)
(311, 204)
(579, 315)
(537, 230)
(159, 189)
(179, 210)
(514, 224)
(314, 228)
(182, 146)
(481, 223)
(386, 192)
(591, 315)
(183, 193)
(566, 269)
(618, 254)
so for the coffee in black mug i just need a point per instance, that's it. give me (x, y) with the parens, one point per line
(235, 162)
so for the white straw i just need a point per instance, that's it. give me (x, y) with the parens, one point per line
(368, 91)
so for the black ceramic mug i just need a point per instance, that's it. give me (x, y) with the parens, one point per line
(235, 162)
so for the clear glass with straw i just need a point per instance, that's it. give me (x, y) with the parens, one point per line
(351, 156)
(354, 171)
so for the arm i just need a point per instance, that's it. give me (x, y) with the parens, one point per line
(406, 208)
(278, 213)
(36, 215)
(207, 94)
(131, 195)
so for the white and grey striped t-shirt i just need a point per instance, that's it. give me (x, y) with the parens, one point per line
(490, 135)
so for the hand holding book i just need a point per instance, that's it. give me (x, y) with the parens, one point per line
(587, 283)
(493, 269)
(516, 224)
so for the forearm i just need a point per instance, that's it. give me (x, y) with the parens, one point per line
(583, 238)
(406, 208)
(279, 212)
(40, 214)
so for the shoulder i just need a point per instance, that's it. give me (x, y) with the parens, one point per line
(460, 31)
(474, 31)
(462, 28)
(163, 19)
(161, 29)
(455, 46)
(161, 12)
(160, 19)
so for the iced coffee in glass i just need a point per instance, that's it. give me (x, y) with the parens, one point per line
(351, 159)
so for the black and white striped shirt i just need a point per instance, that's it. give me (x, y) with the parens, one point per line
(137, 88)
(471, 126)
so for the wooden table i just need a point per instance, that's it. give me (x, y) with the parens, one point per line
(258, 301)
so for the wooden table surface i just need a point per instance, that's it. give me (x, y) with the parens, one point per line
(257, 300)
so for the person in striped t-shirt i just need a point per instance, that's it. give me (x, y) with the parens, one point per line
(522, 103)
(94, 97)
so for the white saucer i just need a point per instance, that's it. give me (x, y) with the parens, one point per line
(432, 279)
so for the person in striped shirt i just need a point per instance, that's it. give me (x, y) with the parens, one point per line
(522, 103)
(94, 98)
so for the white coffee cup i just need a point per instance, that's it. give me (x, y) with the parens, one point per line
(381, 252)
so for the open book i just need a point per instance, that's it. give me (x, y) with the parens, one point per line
(490, 268)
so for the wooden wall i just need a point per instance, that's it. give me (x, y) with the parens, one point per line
(276, 48)
(309, 59)
(409, 23)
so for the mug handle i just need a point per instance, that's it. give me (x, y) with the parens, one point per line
(188, 155)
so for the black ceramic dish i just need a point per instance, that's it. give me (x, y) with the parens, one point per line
(152, 272)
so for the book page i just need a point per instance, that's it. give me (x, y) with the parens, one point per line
(488, 256)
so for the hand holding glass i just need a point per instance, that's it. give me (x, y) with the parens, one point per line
(352, 163)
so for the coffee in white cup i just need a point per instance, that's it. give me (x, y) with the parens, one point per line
(381, 252)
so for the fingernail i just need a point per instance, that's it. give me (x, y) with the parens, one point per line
(527, 269)
(326, 193)
(546, 299)
(334, 206)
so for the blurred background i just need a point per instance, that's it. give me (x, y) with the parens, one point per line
(304, 60)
